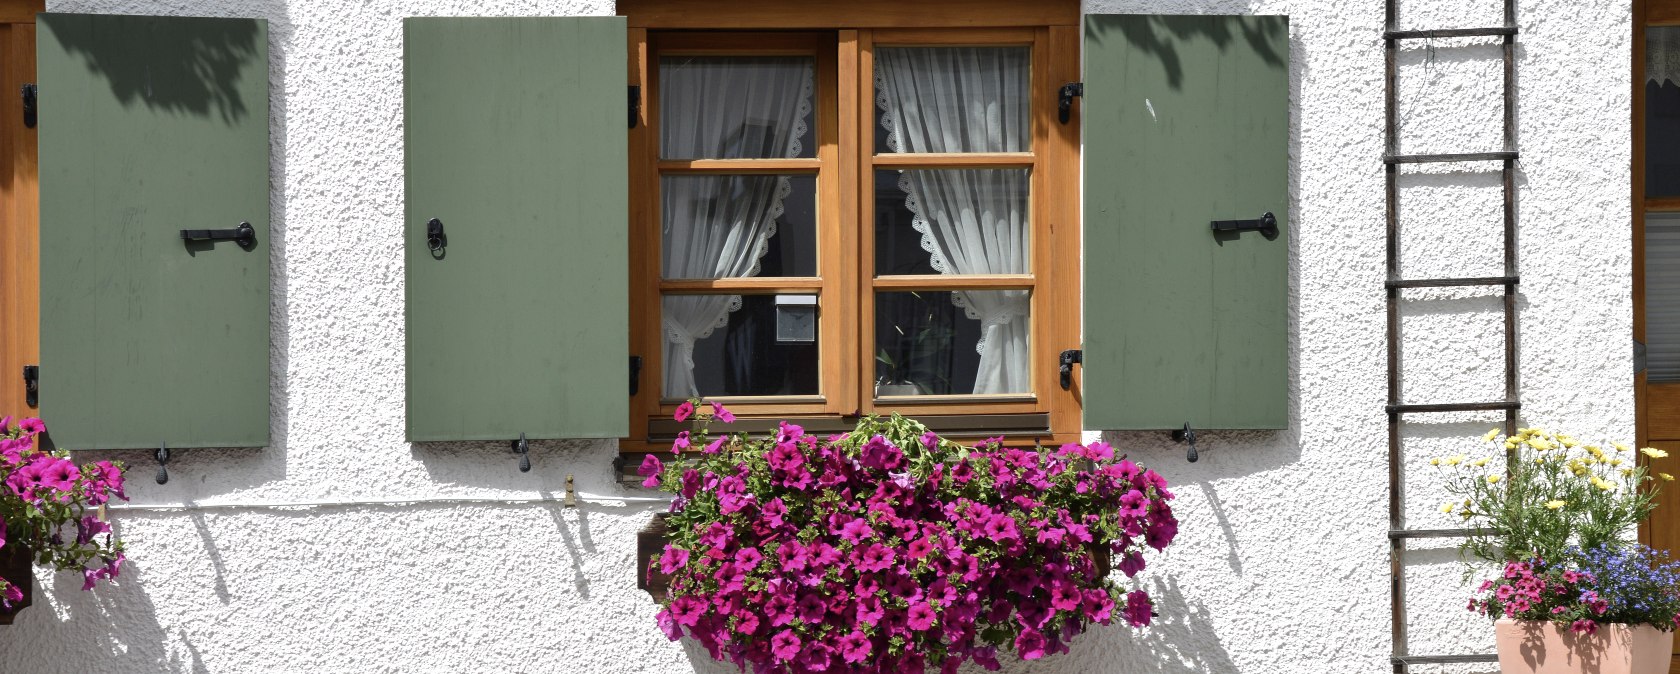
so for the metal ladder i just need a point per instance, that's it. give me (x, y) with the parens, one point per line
(1397, 409)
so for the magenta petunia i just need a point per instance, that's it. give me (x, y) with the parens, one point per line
(785, 645)
(722, 414)
(920, 616)
(1030, 644)
(855, 647)
(32, 426)
(1139, 611)
(684, 411)
(650, 469)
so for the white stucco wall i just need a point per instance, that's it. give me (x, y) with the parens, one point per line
(1282, 562)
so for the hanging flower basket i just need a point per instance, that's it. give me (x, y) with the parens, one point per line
(49, 513)
(890, 549)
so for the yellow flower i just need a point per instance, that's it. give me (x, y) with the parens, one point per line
(1596, 452)
(1447, 507)
(1490, 435)
(1455, 460)
(1493, 479)
(1619, 446)
(1654, 453)
(1434, 462)
(1479, 463)
(1511, 444)
(1627, 472)
(1554, 505)
(1666, 477)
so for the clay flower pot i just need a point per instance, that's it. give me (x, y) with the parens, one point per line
(1537, 647)
(17, 565)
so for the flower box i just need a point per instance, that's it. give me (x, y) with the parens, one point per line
(1544, 647)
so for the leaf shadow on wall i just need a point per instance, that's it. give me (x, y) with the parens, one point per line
(193, 64)
(1156, 35)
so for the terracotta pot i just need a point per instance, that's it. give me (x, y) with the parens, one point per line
(17, 566)
(1536, 647)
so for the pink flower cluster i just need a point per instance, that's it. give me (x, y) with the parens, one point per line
(45, 495)
(1531, 591)
(889, 549)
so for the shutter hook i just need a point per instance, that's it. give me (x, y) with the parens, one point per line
(571, 496)
(1187, 434)
(163, 463)
(523, 449)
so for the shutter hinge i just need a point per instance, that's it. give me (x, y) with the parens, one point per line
(1064, 99)
(1638, 357)
(32, 385)
(635, 374)
(635, 104)
(1069, 357)
(29, 106)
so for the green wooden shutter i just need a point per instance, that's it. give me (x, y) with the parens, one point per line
(148, 126)
(517, 143)
(1186, 121)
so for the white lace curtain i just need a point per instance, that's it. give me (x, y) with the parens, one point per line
(968, 99)
(1662, 54)
(718, 226)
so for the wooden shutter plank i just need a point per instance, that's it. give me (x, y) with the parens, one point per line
(1186, 121)
(515, 132)
(151, 125)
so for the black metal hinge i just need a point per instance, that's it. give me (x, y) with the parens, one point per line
(1064, 99)
(635, 104)
(29, 106)
(635, 374)
(32, 385)
(1069, 357)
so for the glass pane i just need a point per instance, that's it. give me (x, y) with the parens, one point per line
(1662, 111)
(740, 345)
(730, 226)
(945, 343)
(1662, 297)
(951, 221)
(953, 99)
(736, 107)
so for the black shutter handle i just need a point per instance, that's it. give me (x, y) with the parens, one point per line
(244, 234)
(1266, 225)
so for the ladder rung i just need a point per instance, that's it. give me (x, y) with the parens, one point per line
(1442, 659)
(1433, 533)
(1444, 158)
(1455, 407)
(1449, 32)
(1453, 282)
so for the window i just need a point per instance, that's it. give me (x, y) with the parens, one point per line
(852, 221)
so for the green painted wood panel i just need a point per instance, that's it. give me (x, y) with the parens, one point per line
(516, 140)
(1186, 121)
(150, 125)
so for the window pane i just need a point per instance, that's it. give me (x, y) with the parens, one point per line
(1662, 297)
(952, 99)
(951, 221)
(945, 343)
(735, 107)
(731, 226)
(739, 345)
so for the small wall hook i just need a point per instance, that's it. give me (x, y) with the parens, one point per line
(571, 495)
(163, 463)
(1187, 434)
(523, 449)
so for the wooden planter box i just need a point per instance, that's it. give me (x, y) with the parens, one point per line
(17, 565)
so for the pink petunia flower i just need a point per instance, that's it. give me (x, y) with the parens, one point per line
(785, 645)
(1030, 644)
(684, 411)
(722, 414)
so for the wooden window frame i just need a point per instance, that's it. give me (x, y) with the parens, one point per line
(20, 282)
(843, 38)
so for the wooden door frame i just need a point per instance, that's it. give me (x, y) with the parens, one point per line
(19, 208)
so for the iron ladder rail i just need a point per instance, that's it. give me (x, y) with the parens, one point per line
(1397, 410)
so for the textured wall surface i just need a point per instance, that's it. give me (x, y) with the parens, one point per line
(1282, 563)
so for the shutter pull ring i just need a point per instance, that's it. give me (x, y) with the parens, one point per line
(1187, 434)
(163, 463)
(523, 449)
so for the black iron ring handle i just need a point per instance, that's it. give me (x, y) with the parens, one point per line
(435, 239)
